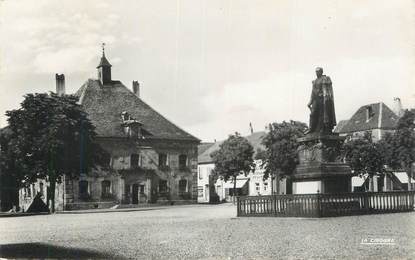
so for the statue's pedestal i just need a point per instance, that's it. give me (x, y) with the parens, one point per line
(320, 169)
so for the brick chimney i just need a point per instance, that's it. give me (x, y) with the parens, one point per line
(60, 84)
(397, 106)
(136, 88)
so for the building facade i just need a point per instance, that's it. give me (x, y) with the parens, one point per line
(377, 119)
(212, 189)
(150, 159)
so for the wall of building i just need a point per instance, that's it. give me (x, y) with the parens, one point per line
(40, 187)
(204, 182)
(257, 184)
(206, 188)
(95, 188)
(122, 177)
(377, 134)
(145, 176)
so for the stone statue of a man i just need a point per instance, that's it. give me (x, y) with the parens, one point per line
(322, 116)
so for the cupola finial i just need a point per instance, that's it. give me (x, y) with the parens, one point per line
(103, 49)
(104, 68)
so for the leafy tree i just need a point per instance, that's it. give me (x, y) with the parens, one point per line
(401, 145)
(386, 147)
(364, 157)
(260, 154)
(50, 136)
(8, 182)
(280, 157)
(233, 158)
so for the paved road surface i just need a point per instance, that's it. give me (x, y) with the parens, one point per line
(204, 231)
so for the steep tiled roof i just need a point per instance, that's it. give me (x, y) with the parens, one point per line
(340, 126)
(381, 117)
(104, 105)
(254, 139)
(201, 148)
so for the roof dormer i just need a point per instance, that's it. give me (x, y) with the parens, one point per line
(132, 127)
(369, 113)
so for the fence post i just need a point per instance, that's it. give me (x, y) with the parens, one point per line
(410, 201)
(411, 198)
(366, 202)
(320, 212)
(274, 202)
(238, 207)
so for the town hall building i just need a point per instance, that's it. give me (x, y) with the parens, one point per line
(150, 159)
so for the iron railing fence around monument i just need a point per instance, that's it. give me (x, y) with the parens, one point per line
(326, 205)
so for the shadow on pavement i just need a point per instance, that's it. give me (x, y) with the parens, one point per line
(41, 250)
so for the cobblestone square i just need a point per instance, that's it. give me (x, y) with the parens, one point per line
(206, 232)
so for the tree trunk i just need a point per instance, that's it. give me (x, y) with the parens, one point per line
(277, 184)
(288, 185)
(364, 184)
(409, 173)
(234, 190)
(52, 194)
(52, 180)
(411, 197)
(371, 187)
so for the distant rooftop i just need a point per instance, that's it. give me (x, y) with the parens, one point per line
(254, 139)
(368, 117)
(201, 148)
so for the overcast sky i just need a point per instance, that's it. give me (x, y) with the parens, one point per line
(211, 66)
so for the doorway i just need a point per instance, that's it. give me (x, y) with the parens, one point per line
(135, 194)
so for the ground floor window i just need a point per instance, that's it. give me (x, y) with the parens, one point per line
(200, 191)
(182, 186)
(83, 189)
(257, 186)
(106, 188)
(183, 190)
(162, 186)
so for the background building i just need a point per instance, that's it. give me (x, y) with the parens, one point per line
(211, 189)
(377, 119)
